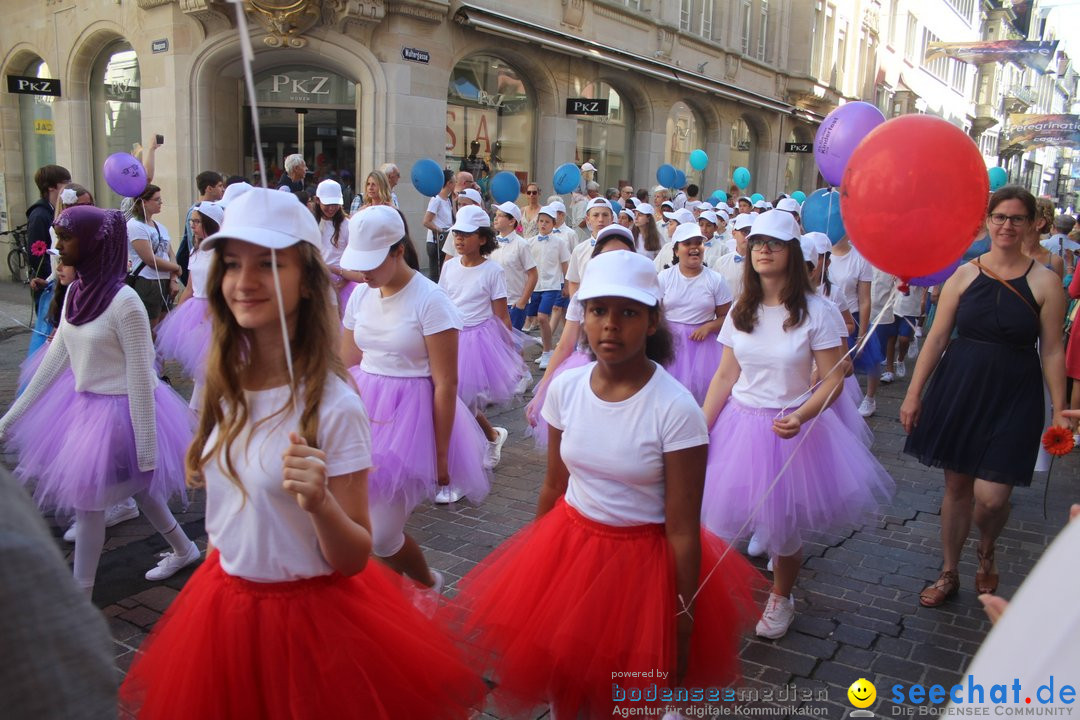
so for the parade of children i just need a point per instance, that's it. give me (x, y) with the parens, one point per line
(541, 470)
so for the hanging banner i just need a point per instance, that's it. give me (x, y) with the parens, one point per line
(1027, 53)
(1038, 130)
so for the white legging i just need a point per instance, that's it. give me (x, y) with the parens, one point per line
(388, 526)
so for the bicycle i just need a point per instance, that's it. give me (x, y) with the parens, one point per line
(18, 258)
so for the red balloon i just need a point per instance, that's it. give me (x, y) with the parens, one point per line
(914, 195)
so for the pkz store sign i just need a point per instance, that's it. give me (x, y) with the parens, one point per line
(306, 86)
(586, 106)
(26, 85)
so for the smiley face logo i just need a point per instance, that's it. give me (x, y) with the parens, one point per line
(862, 693)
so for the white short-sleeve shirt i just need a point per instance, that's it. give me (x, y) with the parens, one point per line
(693, 300)
(158, 237)
(848, 271)
(267, 537)
(472, 289)
(444, 215)
(332, 253)
(731, 268)
(776, 363)
(199, 271)
(549, 254)
(390, 330)
(579, 259)
(911, 305)
(516, 258)
(617, 474)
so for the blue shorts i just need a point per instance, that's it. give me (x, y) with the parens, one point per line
(905, 326)
(517, 317)
(542, 302)
(564, 300)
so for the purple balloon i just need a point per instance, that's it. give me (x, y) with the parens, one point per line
(936, 278)
(839, 134)
(125, 175)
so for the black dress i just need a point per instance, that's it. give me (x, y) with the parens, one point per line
(982, 413)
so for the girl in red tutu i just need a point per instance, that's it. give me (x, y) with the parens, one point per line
(287, 618)
(614, 578)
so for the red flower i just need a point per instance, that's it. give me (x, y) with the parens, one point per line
(39, 248)
(1058, 441)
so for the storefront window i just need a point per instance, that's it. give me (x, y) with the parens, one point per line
(490, 117)
(743, 148)
(684, 135)
(116, 114)
(36, 131)
(603, 140)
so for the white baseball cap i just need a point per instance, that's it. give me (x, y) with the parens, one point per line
(619, 230)
(598, 202)
(557, 206)
(471, 194)
(723, 214)
(760, 204)
(234, 191)
(822, 243)
(744, 221)
(645, 209)
(511, 209)
(809, 249)
(588, 167)
(747, 199)
(621, 274)
(789, 205)
(668, 203)
(682, 215)
(548, 210)
(371, 234)
(329, 193)
(776, 224)
(470, 219)
(212, 210)
(685, 231)
(632, 214)
(268, 219)
(709, 216)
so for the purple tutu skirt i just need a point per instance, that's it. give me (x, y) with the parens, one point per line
(695, 361)
(490, 368)
(184, 336)
(344, 294)
(852, 390)
(29, 366)
(78, 448)
(848, 411)
(538, 427)
(832, 482)
(401, 410)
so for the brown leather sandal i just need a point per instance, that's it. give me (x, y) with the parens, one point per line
(947, 585)
(986, 582)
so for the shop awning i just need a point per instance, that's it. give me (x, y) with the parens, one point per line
(502, 25)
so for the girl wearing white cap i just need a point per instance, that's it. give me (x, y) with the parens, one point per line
(334, 235)
(696, 301)
(609, 575)
(490, 368)
(767, 474)
(646, 234)
(401, 346)
(854, 275)
(287, 617)
(516, 258)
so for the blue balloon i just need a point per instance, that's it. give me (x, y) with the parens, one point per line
(756, 198)
(505, 187)
(799, 195)
(821, 213)
(616, 207)
(699, 160)
(680, 179)
(665, 175)
(998, 177)
(567, 178)
(427, 177)
(719, 195)
(741, 178)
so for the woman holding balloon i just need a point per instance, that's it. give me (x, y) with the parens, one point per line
(982, 413)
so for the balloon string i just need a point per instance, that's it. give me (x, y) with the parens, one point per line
(248, 55)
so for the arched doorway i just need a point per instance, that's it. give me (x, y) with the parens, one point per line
(685, 131)
(116, 111)
(743, 149)
(604, 140)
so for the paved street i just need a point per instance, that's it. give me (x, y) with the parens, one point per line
(858, 613)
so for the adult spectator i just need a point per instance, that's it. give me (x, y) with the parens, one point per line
(438, 219)
(150, 255)
(393, 175)
(211, 187)
(295, 170)
(50, 181)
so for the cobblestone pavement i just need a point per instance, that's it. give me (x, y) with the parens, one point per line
(858, 613)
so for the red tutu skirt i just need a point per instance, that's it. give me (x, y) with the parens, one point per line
(325, 647)
(568, 606)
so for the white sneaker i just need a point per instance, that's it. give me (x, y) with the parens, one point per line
(901, 370)
(427, 600)
(756, 548)
(918, 331)
(114, 515)
(171, 563)
(494, 448)
(447, 494)
(523, 384)
(867, 407)
(777, 618)
(913, 348)
(544, 360)
(887, 377)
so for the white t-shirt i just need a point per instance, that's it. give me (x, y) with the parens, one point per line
(776, 365)
(617, 477)
(575, 311)
(693, 301)
(549, 254)
(516, 258)
(665, 256)
(390, 331)
(579, 259)
(848, 271)
(158, 237)
(882, 288)
(569, 234)
(199, 271)
(731, 268)
(332, 253)
(444, 215)
(267, 536)
(472, 289)
(837, 299)
(910, 305)
(715, 249)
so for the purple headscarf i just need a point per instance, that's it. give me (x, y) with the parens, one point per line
(102, 236)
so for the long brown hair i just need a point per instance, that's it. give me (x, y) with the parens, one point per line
(224, 405)
(338, 219)
(651, 240)
(796, 288)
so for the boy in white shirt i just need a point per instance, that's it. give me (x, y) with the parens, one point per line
(708, 222)
(598, 215)
(561, 228)
(731, 264)
(551, 255)
(515, 256)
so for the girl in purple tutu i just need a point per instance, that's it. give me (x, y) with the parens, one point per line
(119, 432)
(184, 334)
(401, 346)
(334, 232)
(696, 301)
(767, 474)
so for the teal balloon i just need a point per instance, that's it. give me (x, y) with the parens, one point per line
(719, 195)
(567, 178)
(799, 195)
(756, 198)
(427, 177)
(665, 175)
(699, 160)
(741, 178)
(998, 178)
(505, 187)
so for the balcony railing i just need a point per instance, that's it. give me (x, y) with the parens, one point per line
(1020, 95)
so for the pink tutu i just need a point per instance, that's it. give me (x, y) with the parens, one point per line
(29, 366)
(490, 368)
(539, 430)
(184, 336)
(78, 448)
(832, 482)
(401, 410)
(695, 361)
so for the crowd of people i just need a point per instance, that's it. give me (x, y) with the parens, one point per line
(707, 374)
